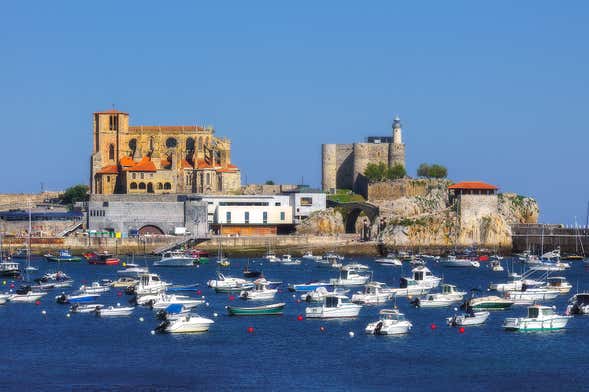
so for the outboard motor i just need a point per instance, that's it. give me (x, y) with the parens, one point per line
(62, 299)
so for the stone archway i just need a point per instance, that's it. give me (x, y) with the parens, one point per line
(151, 230)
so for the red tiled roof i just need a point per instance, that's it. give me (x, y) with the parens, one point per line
(473, 185)
(145, 165)
(185, 164)
(201, 164)
(109, 170)
(165, 163)
(127, 161)
(111, 111)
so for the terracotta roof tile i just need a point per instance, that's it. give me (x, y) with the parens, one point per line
(185, 164)
(127, 161)
(145, 165)
(473, 185)
(113, 169)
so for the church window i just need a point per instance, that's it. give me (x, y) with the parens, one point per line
(133, 185)
(133, 175)
(133, 146)
(111, 151)
(200, 143)
(142, 176)
(113, 123)
(208, 178)
(167, 186)
(141, 185)
(160, 185)
(107, 178)
(190, 145)
(171, 142)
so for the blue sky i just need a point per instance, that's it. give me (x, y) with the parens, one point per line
(496, 91)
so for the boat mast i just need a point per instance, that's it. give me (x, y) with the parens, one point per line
(29, 243)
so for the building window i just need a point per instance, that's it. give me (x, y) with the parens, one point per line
(113, 123)
(282, 215)
(228, 216)
(306, 201)
(107, 178)
(277, 204)
(133, 185)
(142, 176)
(167, 186)
(141, 185)
(264, 217)
(200, 143)
(171, 142)
(111, 152)
(133, 175)
(247, 217)
(208, 178)
(160, 186)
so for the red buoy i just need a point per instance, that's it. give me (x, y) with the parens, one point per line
(250, 329)
(300, 317)
(461, 329)
(120, 293)
(322, 328)
(433, 326)
(231, 297)
(298, 301)
(12, 285)
(37, 302)
(198, 292)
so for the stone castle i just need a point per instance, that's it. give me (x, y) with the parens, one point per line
(343, 165)
(158, 159)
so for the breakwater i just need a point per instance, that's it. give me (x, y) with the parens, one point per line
(536, 237)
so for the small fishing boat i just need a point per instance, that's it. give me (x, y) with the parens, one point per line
(175, 259)
(309, 286)
(558, 283)
(532, 294)
(78, 298)
(64, 256)
(94, 288)
(4, 298)
(374, 293)
(183, 288)
(309, 256)
(85, 308)
(248, 273)
(273, 309)
(447, 297)
(9, 268)
(468, 318)
(495, 266)
(390, 259)
(201, 256)
(390, 322)
(226, 282)
(453, 261)
(102, 258)
(539, 318)
(288, 260)
(487, 303)
(150, 284)
(578, 304)
(172, 312)
(189, 323)
(26, 294)
(350, 277)
(115, 311)
(165, 300)
(334, 306)
(260, 291)
(420, 283)
(319, 294)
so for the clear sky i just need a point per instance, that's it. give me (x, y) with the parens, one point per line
(496, 91)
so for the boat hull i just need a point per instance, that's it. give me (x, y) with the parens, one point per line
(276, 309)
(525, 324)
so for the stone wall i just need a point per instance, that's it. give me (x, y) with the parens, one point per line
(344, 175)
(9, 201)
(473, 208)
(263, 189)
(328, 222)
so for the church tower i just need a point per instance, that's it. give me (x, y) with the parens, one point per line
(397, 148)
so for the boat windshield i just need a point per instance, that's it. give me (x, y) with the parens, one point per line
(345, 300)
(533, 312)
(548, 312)
(331, 302)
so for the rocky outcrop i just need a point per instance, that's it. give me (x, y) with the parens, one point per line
(328, 222)
(419, 214)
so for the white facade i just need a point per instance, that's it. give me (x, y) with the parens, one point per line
(305, 203)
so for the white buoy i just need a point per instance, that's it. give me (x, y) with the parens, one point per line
(152, 332)
(206, 303)
(455, 309)
(141, 319)
(43, 312)
(118, 304)
(294, 295)
(351, 334)
(215, 314)
(68, 315)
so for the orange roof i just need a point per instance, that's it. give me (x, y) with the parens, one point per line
(145, 165)
(201, 164)
(227, 169)
(109, 170)
(111, 111)
(166, 128)
(165, 163)
(127, 161)
(473, 185)
(185, 164)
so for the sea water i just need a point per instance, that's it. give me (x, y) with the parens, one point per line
(86, 352)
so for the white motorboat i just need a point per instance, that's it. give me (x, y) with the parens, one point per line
(539, 318)
(223, 281)
(164, 300)
(133, 270)
(309, 256)
(85, 308)
(390, 259)
(4, 298)
(529, 295)
(429, 258)
(578, 304)
(332, 255)
(319, 294)
(175, 259)
(453, 261)
(349, 277)
(357, 267)
(391, 322)
(420, 283)
(329, 261)
(496, 266)
(190, 323)
(517, 282)
(558, 283)
(26, 297)
(115, 311)
(94, 288)
(550, 266)
(260, 291)
(334, 306)
(150, 284)
(468, 318)
(373, 293)
(288, 260)
(447, 297)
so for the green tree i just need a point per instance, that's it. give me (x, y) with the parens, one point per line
(74, 194)
(423, 170)
(396, 172)
(438, 171)
(376, 172)
(269, 182)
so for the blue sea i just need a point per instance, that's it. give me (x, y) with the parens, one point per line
(88, 353)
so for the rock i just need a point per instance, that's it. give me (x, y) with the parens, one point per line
(323, 223)
(518, 209)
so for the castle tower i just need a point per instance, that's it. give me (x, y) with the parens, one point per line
(397, 148)
(329, 167)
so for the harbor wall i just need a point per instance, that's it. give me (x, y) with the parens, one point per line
(537, 236)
